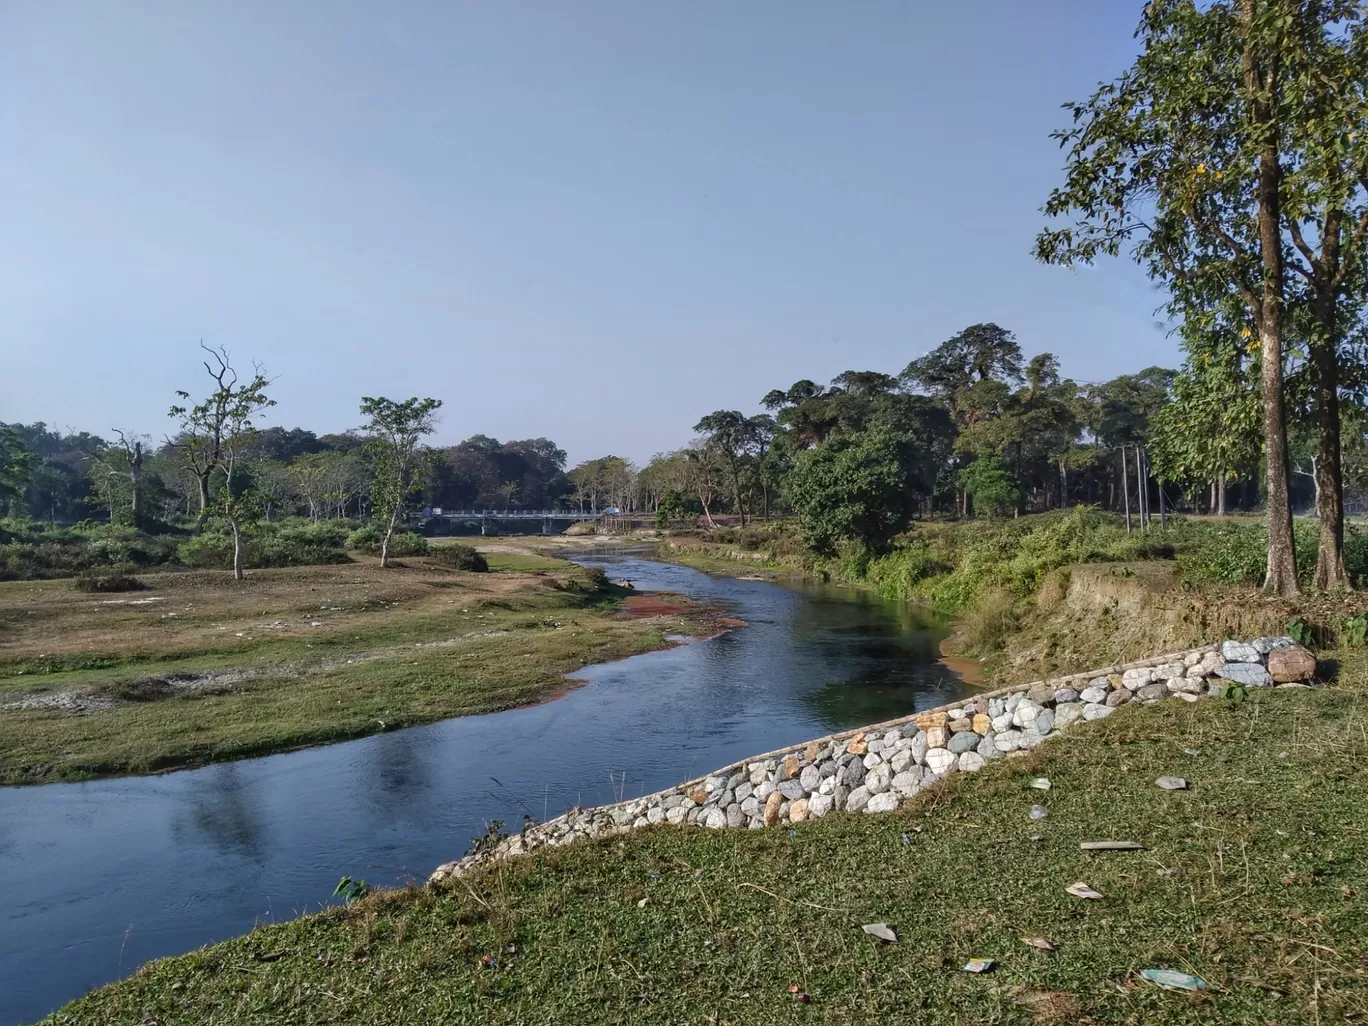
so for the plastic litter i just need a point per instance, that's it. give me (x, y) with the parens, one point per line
(1082, 890)
(799, 994)
(979, 965)
(1039, 812)
(1172, 783)
(488, 962)
(1041, 783)
(882, 931)
(906, 840)
(1172, 979)
(1038, 942)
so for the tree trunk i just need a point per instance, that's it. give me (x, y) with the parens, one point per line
(1330, 573)
(135, 475)
(385, 542)
(706, 512)
(237, 549)
(1221, 496)
(1125, 488)
(203, 480)
(1261, 81)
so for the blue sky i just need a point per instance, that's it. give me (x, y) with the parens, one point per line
(594, 221)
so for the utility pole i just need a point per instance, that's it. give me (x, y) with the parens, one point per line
(1140, 485)
(1125, 487)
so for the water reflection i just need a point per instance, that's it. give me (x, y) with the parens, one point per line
(96, 878)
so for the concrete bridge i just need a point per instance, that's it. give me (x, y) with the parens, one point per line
(548, 517)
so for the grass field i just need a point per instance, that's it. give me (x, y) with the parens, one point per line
(198, 668)
(1253, 879)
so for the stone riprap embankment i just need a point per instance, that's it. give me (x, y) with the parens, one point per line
(878, 768)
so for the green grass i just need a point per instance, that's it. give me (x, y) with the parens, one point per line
(1254, 880)
(398, 648)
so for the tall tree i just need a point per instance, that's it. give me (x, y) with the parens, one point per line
(1183, 159)
(735, 439)
(199, 440)
(398, 455)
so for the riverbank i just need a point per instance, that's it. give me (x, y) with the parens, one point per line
(1250, 879)
(199, 668)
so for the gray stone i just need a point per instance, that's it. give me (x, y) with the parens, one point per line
(878, 781)
(715, 784)
(963, 741)
(735, 817)
(996, 707)
(875, 748)
(1007, 740)
(901, 761)
(763, 790)
(792, 790)
(970, 762)
(1002, 722)
(827, 786)
(671, 800)
(676, 814)
(1186, 685)
(1093, 695)
(1266, 645)
(1067, 713)
(1030, 739)
(810, 778)
(939, 760)
(757, 773)
(1025, 714)
(1044, 722)
(987, 746)
(1169, 670)
(918, 747)
(1013, 701)
(1118, 698)
(909, 783)
(735, 779)
(840, 796)
(1239, 652)
(853, 775)
(1152, 691)
(1250, 674)
(893, 736)
(751, 806)
(656, 815)
(819, 805)
(1065, 695)
(1091, 711)
(886, 802)
(873, 759)
(858, 799)
(716, 820)
(828, 768)
(1137, 678)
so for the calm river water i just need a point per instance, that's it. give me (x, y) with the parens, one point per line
(96, 878)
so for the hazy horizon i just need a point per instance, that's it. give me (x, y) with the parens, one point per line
(592, 224)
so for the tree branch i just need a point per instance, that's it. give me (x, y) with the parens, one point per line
(1316, 270)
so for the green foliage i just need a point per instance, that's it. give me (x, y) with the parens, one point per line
(854, 488)
(996, 493)
(350, 890)
(493, 836)
(367, 539)
(458, 557)
(1300, 631)
(1353, 631)
(1231, 692)
(285, 543)
(31, 550)
(400, 462)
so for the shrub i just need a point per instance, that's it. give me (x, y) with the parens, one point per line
(368, 538)
(459, 557)
(581, 527)
(117, 578)
(301, 543)
(988, 621)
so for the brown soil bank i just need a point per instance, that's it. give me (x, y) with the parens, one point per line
(1102, 613)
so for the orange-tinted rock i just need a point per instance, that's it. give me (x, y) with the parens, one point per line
(1288, 665)
(932, 719)
(698, 795)
(772, 804)
(982, 724)
(798, 811)
(857, 745)
(811, 752)
(790, 768)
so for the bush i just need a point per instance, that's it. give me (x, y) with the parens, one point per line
(988, 622)
(368, 538)
(107, 579)
(459, 557)
(581, 527)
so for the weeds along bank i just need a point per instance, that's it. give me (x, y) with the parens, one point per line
(1045, 593)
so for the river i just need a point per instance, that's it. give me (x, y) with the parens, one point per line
(98, 877)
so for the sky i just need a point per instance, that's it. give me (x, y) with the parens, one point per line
(592, 221)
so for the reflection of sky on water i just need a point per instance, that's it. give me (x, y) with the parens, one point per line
(96, 878)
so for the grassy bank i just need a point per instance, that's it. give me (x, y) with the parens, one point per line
(1253, 879)
(197, 668)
